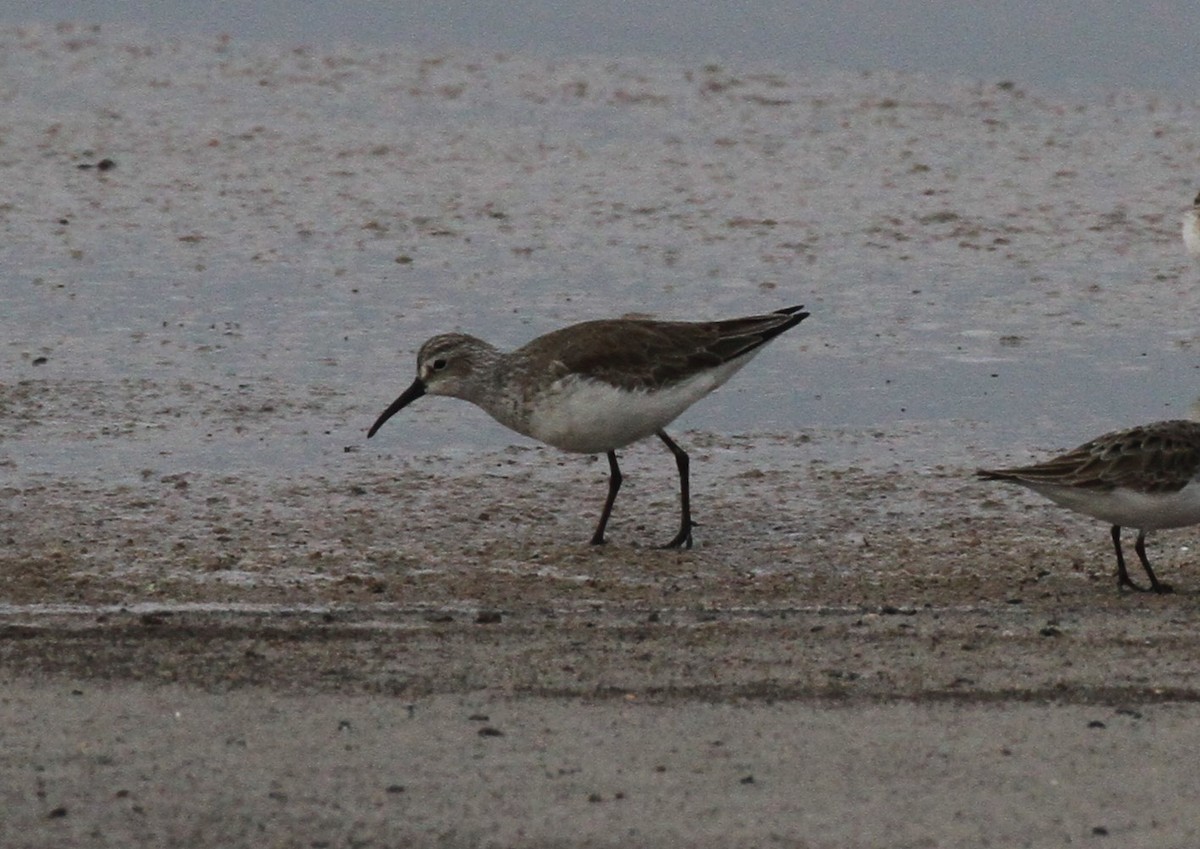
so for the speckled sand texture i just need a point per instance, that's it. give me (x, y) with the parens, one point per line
(228, 620)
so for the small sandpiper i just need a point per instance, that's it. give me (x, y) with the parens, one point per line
(1191, 229)
(1145, 477)
(598, 386)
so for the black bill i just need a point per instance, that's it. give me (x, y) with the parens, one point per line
(411, 394)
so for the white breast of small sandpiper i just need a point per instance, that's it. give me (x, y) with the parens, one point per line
(1191, 232)
(1130, 508)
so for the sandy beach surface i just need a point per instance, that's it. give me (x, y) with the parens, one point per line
(228, 620)
(971, 679)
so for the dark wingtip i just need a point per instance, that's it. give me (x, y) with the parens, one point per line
(796, 316)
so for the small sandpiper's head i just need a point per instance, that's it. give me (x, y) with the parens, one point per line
(446, 365)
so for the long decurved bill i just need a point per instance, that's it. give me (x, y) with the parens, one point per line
(411, 394)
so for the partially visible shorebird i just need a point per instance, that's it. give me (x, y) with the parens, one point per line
(1191, 229)
(1145, 477)
(598, 386)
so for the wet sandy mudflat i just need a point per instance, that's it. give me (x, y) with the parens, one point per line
(227, 620)
(311, 664)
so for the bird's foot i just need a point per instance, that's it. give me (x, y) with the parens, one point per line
(1126, 583)
(683, 539)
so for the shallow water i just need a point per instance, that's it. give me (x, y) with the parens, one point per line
(992, 272)
(1090, 45)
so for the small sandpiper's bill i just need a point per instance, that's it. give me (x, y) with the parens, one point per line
(1191, 229)
(1145, 477)
(598, 386)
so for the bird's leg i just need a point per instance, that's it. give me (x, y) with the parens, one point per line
(1123, 579)
(1140, 548)
(683, 539)
(614, 484)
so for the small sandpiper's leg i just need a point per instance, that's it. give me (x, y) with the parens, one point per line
(1123, 579)
(1140, 548)
(614, 484)
(683, 539)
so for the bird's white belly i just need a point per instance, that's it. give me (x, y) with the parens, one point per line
(1142, 510)
(1191, 233)
(591, 416)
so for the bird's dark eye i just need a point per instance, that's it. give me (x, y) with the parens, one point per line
(439, 364)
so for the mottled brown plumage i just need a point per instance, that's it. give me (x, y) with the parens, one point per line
(1144, 477)
(1159, 457)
